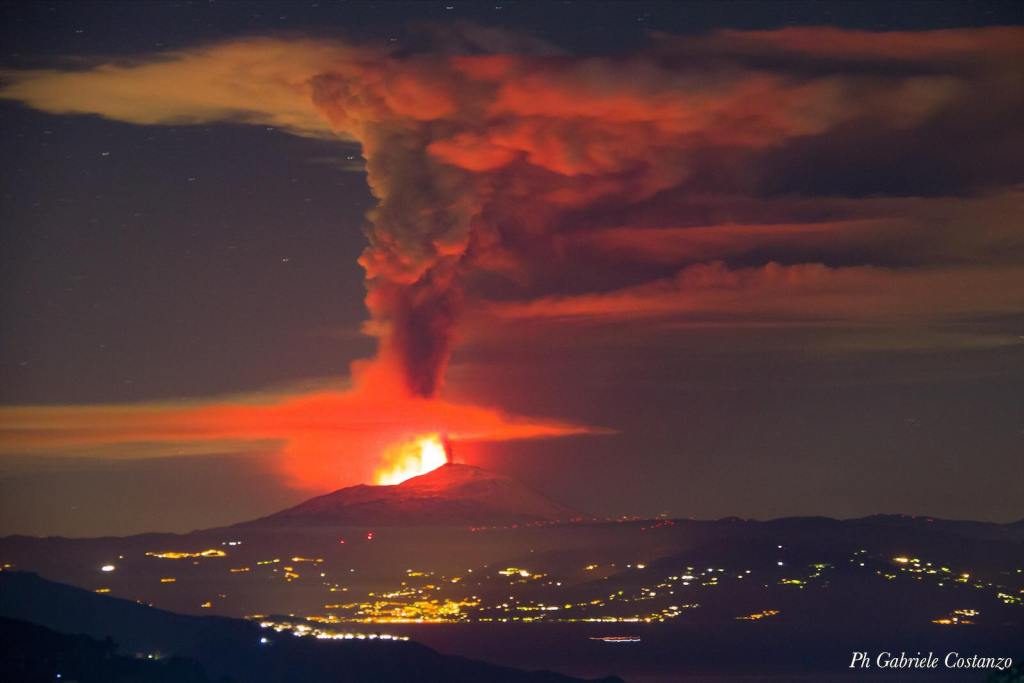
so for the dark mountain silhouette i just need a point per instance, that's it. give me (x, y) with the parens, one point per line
(33, 654)
(453, 495)
(225, 648)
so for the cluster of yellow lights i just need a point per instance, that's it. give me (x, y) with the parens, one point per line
(541, 612)
(919, 568)
(168, 579)
(665, 615)
(1009, 599)
(521, 575)
(922, 570)
(959, 617)
(757, 616)
(178, 555)
(303, 630)
(515, 571)
(432, 611)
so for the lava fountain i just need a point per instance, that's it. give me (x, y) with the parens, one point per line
(412, 458)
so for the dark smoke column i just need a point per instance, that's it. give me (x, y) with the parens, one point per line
(419, 232)
(423, 324)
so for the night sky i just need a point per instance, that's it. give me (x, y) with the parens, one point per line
(752, 259)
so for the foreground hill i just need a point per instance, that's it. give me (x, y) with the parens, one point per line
(31, 653)
(454, 495)
(238, 650)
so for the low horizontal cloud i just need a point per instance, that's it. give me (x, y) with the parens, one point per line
(320, 438)
(254, 81)
(947, 47)
(675, 245)
(804, 292)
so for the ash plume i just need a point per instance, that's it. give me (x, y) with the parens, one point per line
(527, 166)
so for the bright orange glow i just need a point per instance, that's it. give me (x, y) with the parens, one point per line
(411, 459)
(318, 439)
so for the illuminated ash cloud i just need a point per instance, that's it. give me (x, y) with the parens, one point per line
(738, 173)
(508, 164)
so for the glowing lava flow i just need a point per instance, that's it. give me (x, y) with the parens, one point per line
(410, 459)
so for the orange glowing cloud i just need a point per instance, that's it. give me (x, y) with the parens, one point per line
(323, 438)
(256, 80)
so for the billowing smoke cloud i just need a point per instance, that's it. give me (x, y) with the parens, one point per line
(420, 231)
(533, 167)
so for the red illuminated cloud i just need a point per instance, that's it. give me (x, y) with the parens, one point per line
(325, 438)
(805, 292)
(674, 245)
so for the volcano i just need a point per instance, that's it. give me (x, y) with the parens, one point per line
(451, 495)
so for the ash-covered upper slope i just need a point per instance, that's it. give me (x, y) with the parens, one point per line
(450, 495)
